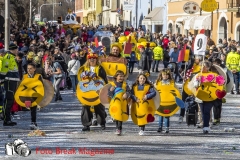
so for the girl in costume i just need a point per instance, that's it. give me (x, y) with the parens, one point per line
(91, 70)
(208, 87)
(119, 92)
(142, 94)
(26, 87)
(164, 78)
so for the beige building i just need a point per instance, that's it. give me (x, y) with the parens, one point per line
(222, 23)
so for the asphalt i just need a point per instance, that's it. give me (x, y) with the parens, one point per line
(62, 124)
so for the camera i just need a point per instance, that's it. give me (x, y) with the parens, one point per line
(17, 147)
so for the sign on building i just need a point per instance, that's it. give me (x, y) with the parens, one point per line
(191, 7)
(128, 5)
(209, 5)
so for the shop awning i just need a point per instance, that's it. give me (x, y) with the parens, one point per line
(189, 23)
(155, 17)
(181, 19)
(203, 22)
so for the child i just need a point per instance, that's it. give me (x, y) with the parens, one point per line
(31, 68)
(164, 78)
(119, 90)
(142, 90)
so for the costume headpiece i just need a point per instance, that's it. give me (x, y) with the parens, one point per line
(92, 55)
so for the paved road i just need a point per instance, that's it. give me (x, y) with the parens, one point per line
(61, 122)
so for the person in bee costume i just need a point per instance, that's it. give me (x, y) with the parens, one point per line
(92, 77)
(114, 62)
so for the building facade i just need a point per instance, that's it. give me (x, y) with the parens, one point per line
(79, 10)
(151, 14)
(222, 23)
(109, 12)
(92, 10)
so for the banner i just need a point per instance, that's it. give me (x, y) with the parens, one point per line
(200, 44)
(128, 5)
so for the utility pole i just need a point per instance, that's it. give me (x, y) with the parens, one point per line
(53, 10)
(7, 25)
(30, 14)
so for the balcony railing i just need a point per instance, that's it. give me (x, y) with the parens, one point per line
(233, 3)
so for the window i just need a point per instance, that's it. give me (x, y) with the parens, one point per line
(118, 3)
(86, 4)
(103, 4)
(108, 3)
(94, 3)
(89, 3)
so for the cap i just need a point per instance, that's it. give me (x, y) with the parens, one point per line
(13, 46)
(185, 39)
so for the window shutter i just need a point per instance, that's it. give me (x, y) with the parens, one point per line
(114, 6)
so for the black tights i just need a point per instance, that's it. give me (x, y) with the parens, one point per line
(142, 127)
(33, 113)
(119, 125)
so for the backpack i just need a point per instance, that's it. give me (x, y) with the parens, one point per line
(64, 66)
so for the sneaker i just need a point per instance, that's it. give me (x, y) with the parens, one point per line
(103, 127)
(215, 122)
(232, 92)
(159, 129)
(86, 128)
(167, 130)
(33, 126)
(94, 123)
(200, 125)
(206, 130)
(9, 123)
(180, 119)
(141, 133)
(118, 132)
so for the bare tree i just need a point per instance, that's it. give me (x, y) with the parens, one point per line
(19, 10)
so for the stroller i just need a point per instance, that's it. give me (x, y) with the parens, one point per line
(191, 111)
(173, 67)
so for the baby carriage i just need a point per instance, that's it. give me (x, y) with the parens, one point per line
(173, 67)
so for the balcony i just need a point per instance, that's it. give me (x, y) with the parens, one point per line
(233, 5)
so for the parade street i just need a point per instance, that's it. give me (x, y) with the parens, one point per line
(65, 140)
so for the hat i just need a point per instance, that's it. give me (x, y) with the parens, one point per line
(92, 55)
(30, 55)
(73, 55)
(37, 59)
(117, 45)
(1, 45)
(185, 39)
(13, 46)
(141, 46)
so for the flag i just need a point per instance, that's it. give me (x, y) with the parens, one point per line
(181, 55)
(96, 42)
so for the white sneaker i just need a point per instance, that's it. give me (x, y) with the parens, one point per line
(180, 119)
(34, 126)
(141, 133)
(206, 130)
